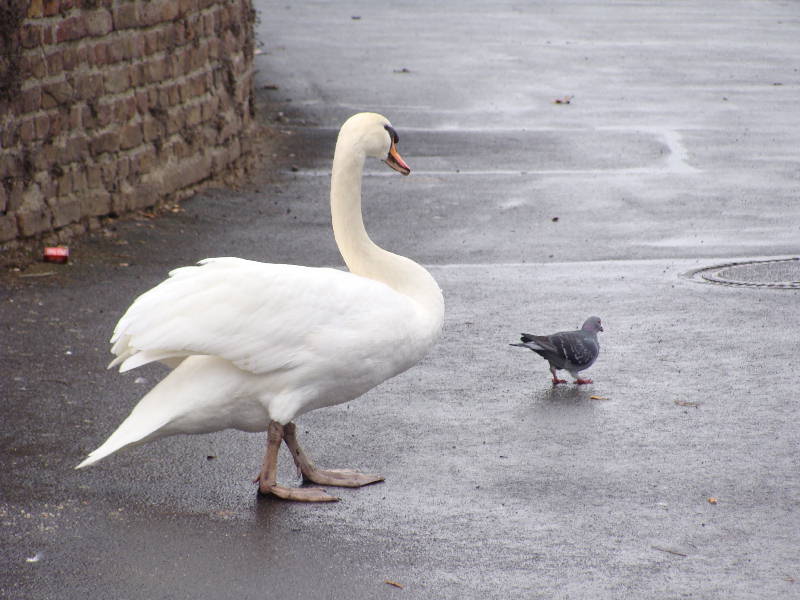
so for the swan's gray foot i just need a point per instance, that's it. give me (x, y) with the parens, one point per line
(309, 494)
(267, 483)
(336, 477)
(340, 477)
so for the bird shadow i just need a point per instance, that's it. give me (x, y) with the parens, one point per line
(271, 511)
(564, 395)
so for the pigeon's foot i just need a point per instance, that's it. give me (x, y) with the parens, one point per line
(582, 381)
(337, 477)
(556, 381)
(266, 480)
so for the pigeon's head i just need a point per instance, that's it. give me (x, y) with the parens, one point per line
(592, 324)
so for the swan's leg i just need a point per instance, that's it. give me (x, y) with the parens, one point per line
(267, 478)
(337, 477)
(556, 380)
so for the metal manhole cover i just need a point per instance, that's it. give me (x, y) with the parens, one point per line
(781, 273)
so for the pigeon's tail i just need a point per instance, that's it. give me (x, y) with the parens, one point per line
(530, 346)
(533, 342)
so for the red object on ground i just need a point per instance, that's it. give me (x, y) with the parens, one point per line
(56, 254)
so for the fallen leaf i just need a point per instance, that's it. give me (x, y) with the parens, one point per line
(564, 100)
(597, 398)
(712, 500)
(685, 403)
(394, 583)
(223, 514)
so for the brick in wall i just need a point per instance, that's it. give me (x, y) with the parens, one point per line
(114, 105)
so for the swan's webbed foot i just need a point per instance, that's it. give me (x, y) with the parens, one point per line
(309, 494)
(267, 482)
(340, 477)
(335, 477)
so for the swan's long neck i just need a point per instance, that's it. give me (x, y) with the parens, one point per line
(361, 255)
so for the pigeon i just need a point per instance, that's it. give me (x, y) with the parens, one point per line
(574, 351)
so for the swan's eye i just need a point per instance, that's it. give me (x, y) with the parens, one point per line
(392, 133)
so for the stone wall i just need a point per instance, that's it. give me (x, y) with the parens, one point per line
(112, 105)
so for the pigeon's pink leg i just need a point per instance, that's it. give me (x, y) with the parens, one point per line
(583, 381)
(556, 380)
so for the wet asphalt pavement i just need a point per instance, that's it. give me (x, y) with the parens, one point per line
(678, 149)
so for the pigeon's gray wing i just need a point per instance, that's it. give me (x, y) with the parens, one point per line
(544, 347)
(578, 349)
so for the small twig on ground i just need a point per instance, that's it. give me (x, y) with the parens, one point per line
(675, 552)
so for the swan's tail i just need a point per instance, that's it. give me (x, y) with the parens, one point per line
(148, 421)
(199, 396)
(133, 431)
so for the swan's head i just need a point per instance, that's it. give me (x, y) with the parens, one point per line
(374, 135)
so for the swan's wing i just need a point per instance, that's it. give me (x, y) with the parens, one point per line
(261, 317)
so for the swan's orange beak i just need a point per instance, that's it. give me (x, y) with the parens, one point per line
(396, 161)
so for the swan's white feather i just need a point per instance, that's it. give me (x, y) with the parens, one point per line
(261, 317)
(251, 342)
(265, 341)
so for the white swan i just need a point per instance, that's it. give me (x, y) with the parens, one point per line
(253, 345)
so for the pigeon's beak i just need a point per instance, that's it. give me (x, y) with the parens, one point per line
(396, 161)
(601, 328)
